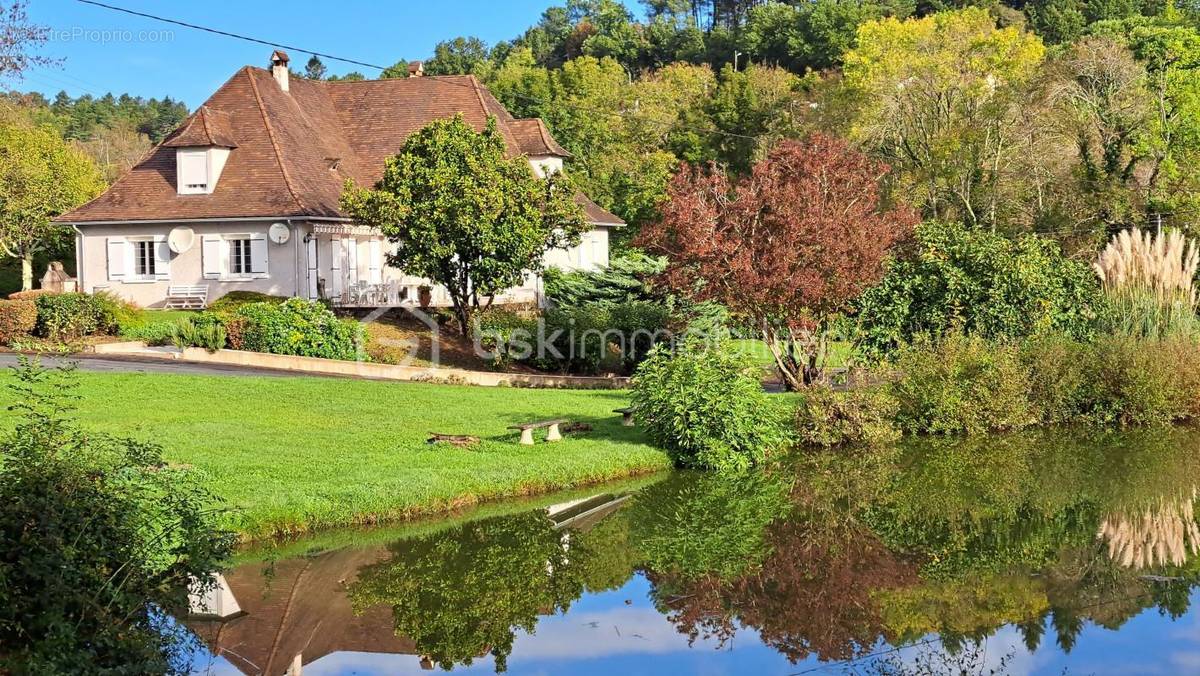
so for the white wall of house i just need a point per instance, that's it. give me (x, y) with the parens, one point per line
(108, 259)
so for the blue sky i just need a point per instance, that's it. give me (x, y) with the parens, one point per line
(107, 51)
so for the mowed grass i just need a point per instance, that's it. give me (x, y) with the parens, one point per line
(298, 454)
(840, 352)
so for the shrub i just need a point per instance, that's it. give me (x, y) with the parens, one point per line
(1136, 382)
(233, 300)
(69, 316)
(504, 336)
(627, 277)
(99, 540)
(204, 330)
(979, 283)
(31, 294)
(963, 384)
(706, 407)
(235, 330)
(577, 338)
(1059, 371)
(18, 318)
(300, 327)
(642, 325)
(1149, 283)
(152, 333)
(113, 312)
(828, 418)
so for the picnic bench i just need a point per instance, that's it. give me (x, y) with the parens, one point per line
(185, 297)
(626, 415)
(552, 434)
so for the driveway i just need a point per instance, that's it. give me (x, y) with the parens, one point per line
(132, 365)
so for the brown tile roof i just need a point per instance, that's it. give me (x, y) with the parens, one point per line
(205, 127)
(596, 214)
(293, 151)
(535, 139)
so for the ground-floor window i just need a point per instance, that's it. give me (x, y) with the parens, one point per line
(239, 256)
(143, 258)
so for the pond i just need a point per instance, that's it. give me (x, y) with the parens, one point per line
(1031, 553)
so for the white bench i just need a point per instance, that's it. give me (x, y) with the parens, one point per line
(186, 297)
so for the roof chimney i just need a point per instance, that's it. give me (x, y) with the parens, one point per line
(416, 69)
(279, 68)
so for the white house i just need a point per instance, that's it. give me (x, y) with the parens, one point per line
(244, 195)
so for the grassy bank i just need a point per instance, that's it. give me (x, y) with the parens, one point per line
(297, 454)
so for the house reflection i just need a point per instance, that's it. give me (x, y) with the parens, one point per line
(275, 618)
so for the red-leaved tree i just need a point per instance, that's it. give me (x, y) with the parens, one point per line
(786, 247)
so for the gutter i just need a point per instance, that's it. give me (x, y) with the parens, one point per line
(158, 221)
(78, 257)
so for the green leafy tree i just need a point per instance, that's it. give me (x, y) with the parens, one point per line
(751, 110)
(460, 56)
(939, 103)
(398, 69)
(978, 282)
(465, 215)
(1101, 101)
(99, 539)
(41, 176)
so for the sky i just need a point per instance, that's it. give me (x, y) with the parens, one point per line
(106, 51)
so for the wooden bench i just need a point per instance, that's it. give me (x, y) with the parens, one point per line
(626, 415)
(182, 297)
(527, 429)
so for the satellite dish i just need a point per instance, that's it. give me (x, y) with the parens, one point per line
(181, 239)
(279, 233)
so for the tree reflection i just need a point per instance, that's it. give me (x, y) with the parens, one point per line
(462, 594)
(833, 554)
(948, 538)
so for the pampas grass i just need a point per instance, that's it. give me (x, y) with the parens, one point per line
(1149, 283)
(1160, 535)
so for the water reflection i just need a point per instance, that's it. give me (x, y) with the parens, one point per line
(1032, 541)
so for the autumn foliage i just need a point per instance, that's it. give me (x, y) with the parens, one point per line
(785, 246)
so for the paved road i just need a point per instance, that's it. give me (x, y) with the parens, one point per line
(133, 365)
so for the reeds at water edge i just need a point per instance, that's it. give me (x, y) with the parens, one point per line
(1149, 282)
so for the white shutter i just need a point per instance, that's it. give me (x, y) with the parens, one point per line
(213, 253)
(335, 281)
(162, 259)
(258, 256)
(118, 258)
(310, 249)
(375, 262)
(352, 259)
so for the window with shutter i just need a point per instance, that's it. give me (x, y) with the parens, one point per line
(193, 172)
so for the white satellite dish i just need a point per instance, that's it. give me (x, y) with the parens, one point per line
(181, 239)
(279, 233)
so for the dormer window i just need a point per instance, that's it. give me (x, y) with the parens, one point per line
(193, 171)
(201, 146)
(197, 170)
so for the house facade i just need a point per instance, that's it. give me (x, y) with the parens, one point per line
(244, 195)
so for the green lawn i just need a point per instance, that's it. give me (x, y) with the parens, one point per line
(168, 315)
(839, 352)
(296, 454)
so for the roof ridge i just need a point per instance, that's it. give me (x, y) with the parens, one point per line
(479, 95)
(203, 112)
(542, 132)
(287, 180)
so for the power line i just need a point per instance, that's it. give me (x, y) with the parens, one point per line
(228, 34)
(532, 99)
